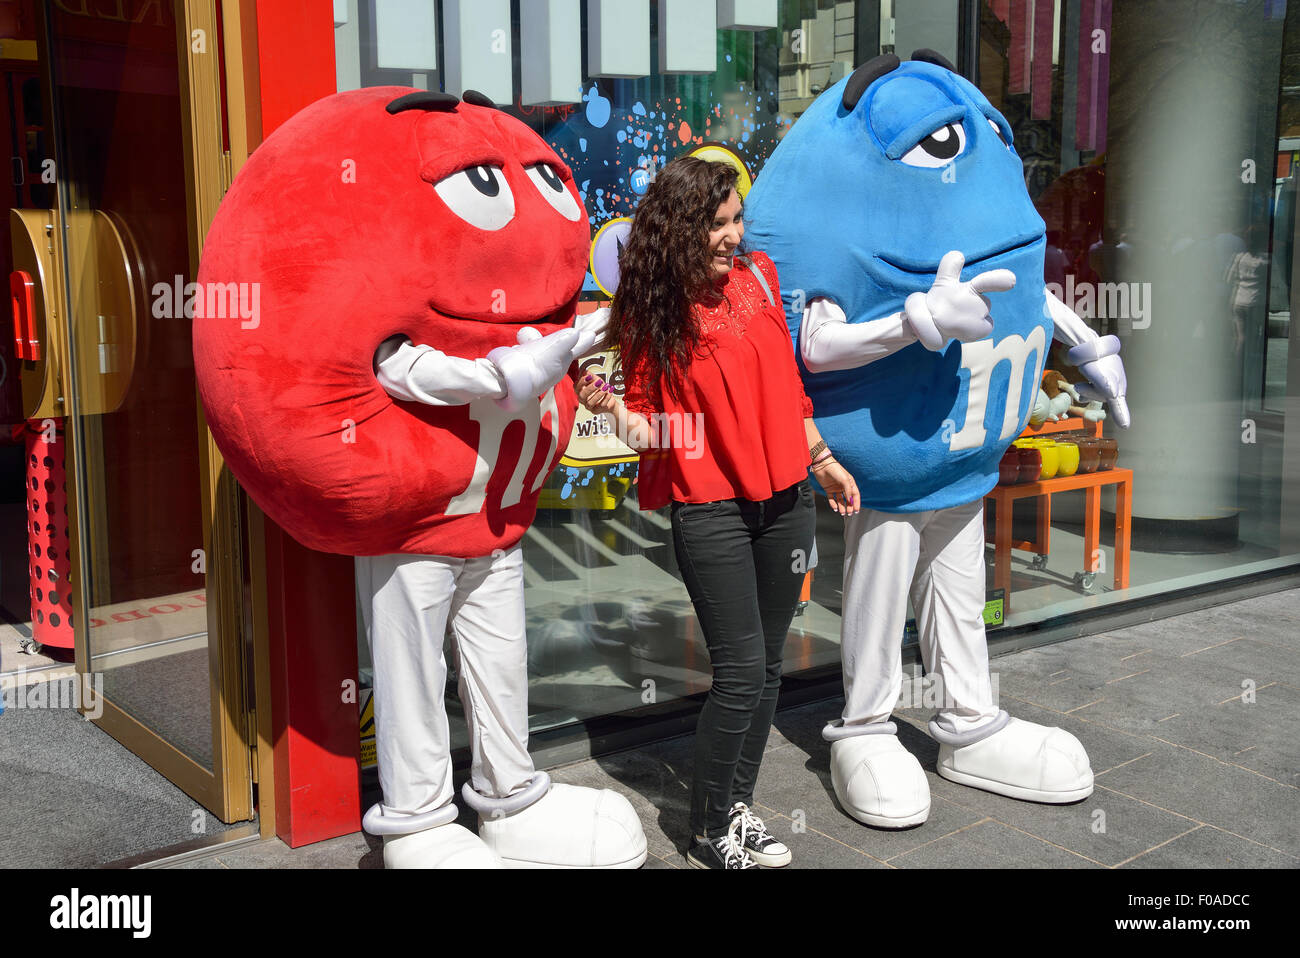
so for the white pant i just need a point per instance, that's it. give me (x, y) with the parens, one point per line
(937, 557)
(406, 602)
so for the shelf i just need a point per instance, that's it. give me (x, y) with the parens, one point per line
(1074, 424)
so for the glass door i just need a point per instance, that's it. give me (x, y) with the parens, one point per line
(133, 92)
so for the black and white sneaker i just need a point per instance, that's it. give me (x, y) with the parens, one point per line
(723, 852)
(755, 839)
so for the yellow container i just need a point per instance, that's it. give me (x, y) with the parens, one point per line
(1051, 459)
(1067, 458)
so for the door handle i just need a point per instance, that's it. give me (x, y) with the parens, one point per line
(23, 302)
(34, 304)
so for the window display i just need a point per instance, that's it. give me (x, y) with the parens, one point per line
(1165, 183)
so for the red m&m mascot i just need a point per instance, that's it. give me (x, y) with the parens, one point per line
(399, 393)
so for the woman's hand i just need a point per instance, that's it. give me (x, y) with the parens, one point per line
(596, 394)
(841, 490)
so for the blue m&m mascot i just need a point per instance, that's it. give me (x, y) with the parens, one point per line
(893, 205)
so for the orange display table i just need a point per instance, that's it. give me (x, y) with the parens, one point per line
(1074, 424)
(1091, 483)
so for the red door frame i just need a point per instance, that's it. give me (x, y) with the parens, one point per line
(311, 606)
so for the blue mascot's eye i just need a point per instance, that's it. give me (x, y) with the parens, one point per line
(998, 131)
(941, 144)
(939, 148)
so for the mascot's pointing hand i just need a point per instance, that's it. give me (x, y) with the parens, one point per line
(1098, 359)
(953, 309)
(533, 366)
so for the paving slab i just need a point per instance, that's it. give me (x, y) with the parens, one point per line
(1229, 797)
(1210, 847)
(812, 848)
(990, 844)
(1255, 732)
(357, 850)
(1189, 774)
(655, 862)
(1249, 659)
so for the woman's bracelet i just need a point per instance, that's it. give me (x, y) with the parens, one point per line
(817, 449)
(826, 457)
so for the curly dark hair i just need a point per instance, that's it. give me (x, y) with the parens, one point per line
(664, 267)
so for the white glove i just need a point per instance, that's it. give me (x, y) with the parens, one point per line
(953, 309)
(1097, 358)
(535, 365)
(591, 329)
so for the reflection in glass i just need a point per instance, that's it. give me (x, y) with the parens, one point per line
(1135, 120)
(122, 172)
(1154, 157)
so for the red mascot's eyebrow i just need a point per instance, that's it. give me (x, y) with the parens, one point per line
(445, 164)
(473, 136)
(423, 100)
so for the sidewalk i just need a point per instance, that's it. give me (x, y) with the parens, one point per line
(1191, 724)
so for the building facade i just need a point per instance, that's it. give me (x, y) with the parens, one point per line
(1159, 140)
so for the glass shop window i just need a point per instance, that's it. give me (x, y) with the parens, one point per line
(1159, 144)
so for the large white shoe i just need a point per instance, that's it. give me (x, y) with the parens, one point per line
(568, 827)
(445, 846)
(1022, 760)
(879, 782)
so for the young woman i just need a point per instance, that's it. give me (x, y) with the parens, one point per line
(703, 337)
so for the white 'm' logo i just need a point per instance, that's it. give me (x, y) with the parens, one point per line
(981, 358)
(492, 421)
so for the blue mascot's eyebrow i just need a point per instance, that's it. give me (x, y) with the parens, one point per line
(920, 129)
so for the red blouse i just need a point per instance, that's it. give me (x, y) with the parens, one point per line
(737, 429)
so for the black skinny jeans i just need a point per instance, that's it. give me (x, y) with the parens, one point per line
(743, 565)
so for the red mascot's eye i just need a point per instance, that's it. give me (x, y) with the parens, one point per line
(548, 174)
(479, 195)
(483, 180)
(548, 182)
